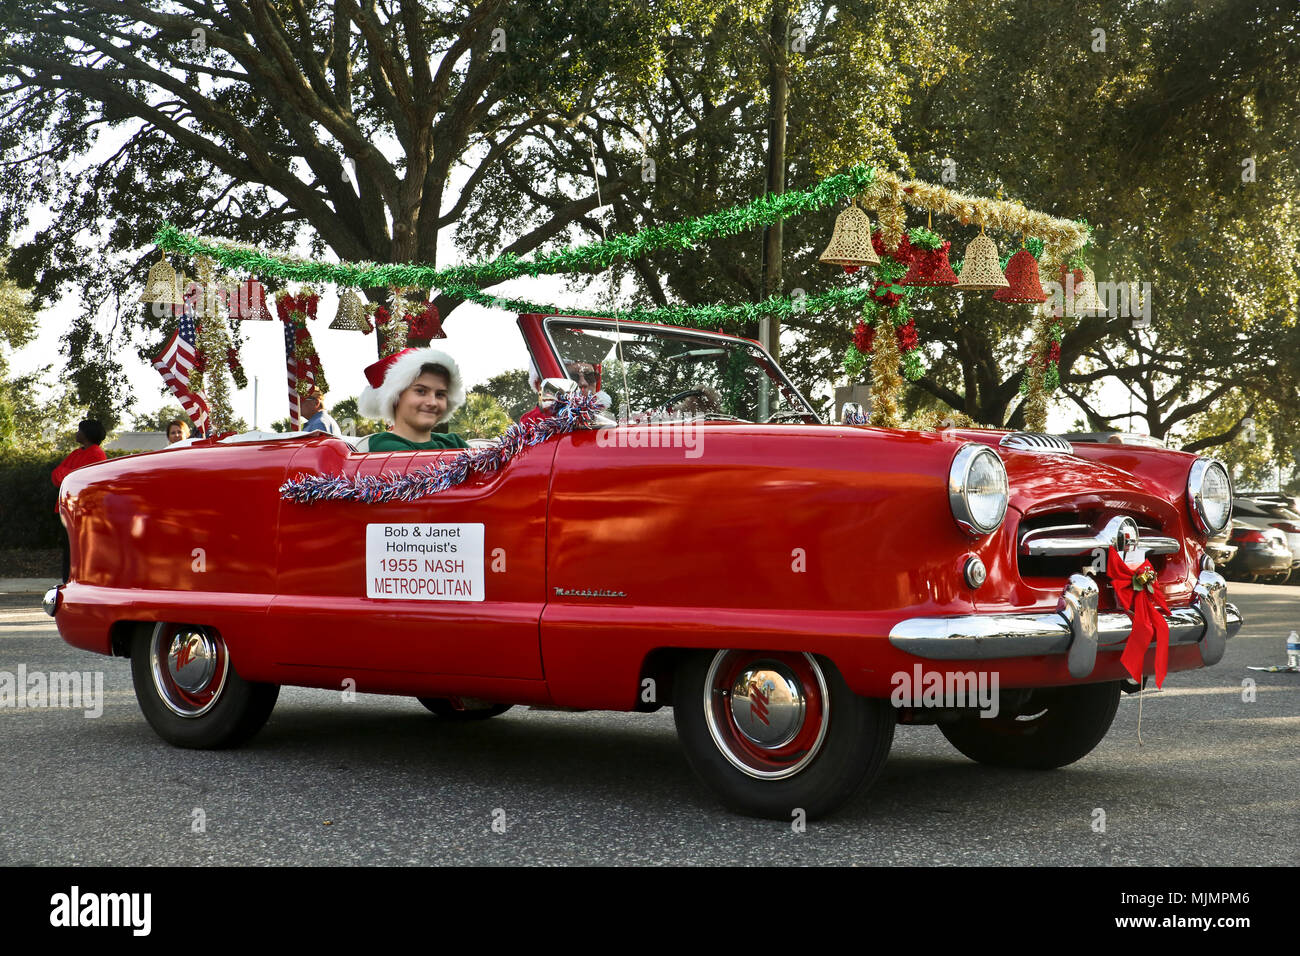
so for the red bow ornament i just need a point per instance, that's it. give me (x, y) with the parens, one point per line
(1140, 595)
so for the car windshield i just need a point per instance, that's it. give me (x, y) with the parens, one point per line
(658, 371)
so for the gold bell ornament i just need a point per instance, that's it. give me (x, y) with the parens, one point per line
(163, 285)
(979, 267)
(351, 313)
(1085, 300)
(850, 244)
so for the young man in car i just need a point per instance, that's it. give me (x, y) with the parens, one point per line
(415, 389)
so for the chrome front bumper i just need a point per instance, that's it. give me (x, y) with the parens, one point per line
(1075, 629)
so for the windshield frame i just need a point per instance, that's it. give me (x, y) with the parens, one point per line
(585, 322)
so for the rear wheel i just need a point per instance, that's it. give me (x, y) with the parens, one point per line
(774, 732)
(189, 691)
(1054, 727)
(463, 708)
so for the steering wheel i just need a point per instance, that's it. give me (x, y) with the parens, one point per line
(681, 396)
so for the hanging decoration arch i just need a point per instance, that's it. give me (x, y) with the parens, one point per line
(904, 260)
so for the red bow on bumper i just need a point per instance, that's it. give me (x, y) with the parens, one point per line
(1140, 595)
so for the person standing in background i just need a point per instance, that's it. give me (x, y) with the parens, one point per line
(177, 430)
(318, 420)
(90, 434)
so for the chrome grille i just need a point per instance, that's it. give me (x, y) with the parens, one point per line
(1057, 545)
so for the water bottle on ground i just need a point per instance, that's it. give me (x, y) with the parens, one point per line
(1293, 650)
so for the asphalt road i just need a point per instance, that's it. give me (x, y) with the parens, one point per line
(381, 781)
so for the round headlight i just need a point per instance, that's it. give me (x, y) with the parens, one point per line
(977, 488)
(1209, 496)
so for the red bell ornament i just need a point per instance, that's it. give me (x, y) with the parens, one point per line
(1022, 280)
(930, 269)
(248, 302)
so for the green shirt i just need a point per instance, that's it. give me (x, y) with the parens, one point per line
(387, 441)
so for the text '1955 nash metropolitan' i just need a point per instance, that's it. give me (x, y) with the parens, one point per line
(792, 589)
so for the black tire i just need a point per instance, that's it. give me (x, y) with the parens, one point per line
(226, 713)
(853, 736)
(1060, 725)
(471, 709)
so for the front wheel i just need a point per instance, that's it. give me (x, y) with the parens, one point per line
(189, 691)
(775, 732)
(1054, 727)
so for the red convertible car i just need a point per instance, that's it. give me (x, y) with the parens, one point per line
(793, 589)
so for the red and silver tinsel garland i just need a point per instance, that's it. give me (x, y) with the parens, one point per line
(569, 413)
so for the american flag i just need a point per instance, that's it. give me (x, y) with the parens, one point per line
(175, 362)
(295, 371)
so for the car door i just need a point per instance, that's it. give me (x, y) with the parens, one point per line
(465, 588)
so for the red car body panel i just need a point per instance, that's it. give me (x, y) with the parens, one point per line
(783, 537)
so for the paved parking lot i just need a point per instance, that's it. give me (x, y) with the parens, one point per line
(380, 780)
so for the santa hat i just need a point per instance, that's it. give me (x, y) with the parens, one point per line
(395, 373)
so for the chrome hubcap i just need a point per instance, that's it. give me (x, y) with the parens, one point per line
(189, 666)
(192, 660)
(767, 704)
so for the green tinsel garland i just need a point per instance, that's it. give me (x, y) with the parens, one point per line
(923, 238)
(855, 363)
(684, 234)
(696, 316)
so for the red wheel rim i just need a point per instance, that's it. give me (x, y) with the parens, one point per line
(779, 724)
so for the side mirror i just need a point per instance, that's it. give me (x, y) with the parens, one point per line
(552, 387)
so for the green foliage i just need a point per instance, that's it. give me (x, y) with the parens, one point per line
(511, 390)
(28, 422)
(480, 417)
(30, 497)
(157, 422)
(349, 420)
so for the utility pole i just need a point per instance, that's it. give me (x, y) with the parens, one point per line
(778, 98)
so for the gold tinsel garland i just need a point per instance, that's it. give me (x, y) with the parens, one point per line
(1036, 392)
(889, 197)
(213, 344)
(888, 193)
(396, 331)
(886, 380)
(935, 418)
